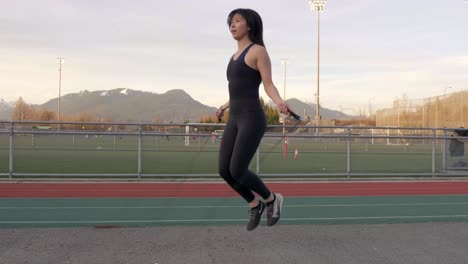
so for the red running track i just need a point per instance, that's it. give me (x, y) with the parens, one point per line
(43, 190)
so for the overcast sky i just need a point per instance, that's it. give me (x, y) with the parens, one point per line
(372, 51)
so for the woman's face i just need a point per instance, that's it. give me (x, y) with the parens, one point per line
(239, 27)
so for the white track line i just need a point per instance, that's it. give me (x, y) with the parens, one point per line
(229, 220)
(220, 206)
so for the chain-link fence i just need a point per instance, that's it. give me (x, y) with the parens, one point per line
(148, 151)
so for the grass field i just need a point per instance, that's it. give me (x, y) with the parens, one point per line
(66, 154)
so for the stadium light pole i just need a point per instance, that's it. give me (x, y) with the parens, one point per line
(284, 62)
(60, 61)
(319, 7)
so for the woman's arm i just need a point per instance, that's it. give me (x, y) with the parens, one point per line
(224, 106)
(221, 109)
(264, 67)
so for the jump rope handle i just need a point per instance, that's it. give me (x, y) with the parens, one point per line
(298, 118)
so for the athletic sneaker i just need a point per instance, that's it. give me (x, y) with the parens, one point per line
(274, 210)
(255, 216)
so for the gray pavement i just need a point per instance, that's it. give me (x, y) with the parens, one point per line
(424, 243)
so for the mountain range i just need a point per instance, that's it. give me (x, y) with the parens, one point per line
(127, 105)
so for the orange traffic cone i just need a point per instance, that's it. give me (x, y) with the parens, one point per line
(296, 153)
(285, 149)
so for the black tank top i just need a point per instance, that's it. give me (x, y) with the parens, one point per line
(244, 83)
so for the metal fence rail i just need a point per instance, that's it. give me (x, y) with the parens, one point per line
(147, 151)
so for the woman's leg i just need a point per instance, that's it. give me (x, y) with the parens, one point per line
(228, 142)
(250, 130)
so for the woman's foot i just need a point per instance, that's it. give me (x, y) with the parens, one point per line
(256, 215)
(274, 209)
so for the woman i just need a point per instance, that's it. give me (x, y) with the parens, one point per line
(248, 67)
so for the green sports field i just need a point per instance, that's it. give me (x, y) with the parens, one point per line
(95, 154)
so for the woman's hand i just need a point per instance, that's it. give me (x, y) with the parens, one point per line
(220, 113)
(283, 107)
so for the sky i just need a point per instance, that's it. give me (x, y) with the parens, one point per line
(371, 51)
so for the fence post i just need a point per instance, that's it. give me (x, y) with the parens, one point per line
(348, 155)
(140, 128)
(11, 150)
(199, 141)
(433, 151)
(444, 157)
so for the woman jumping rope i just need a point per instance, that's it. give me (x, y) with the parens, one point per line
(247, 122)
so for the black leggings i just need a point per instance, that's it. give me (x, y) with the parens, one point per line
(241, 138)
